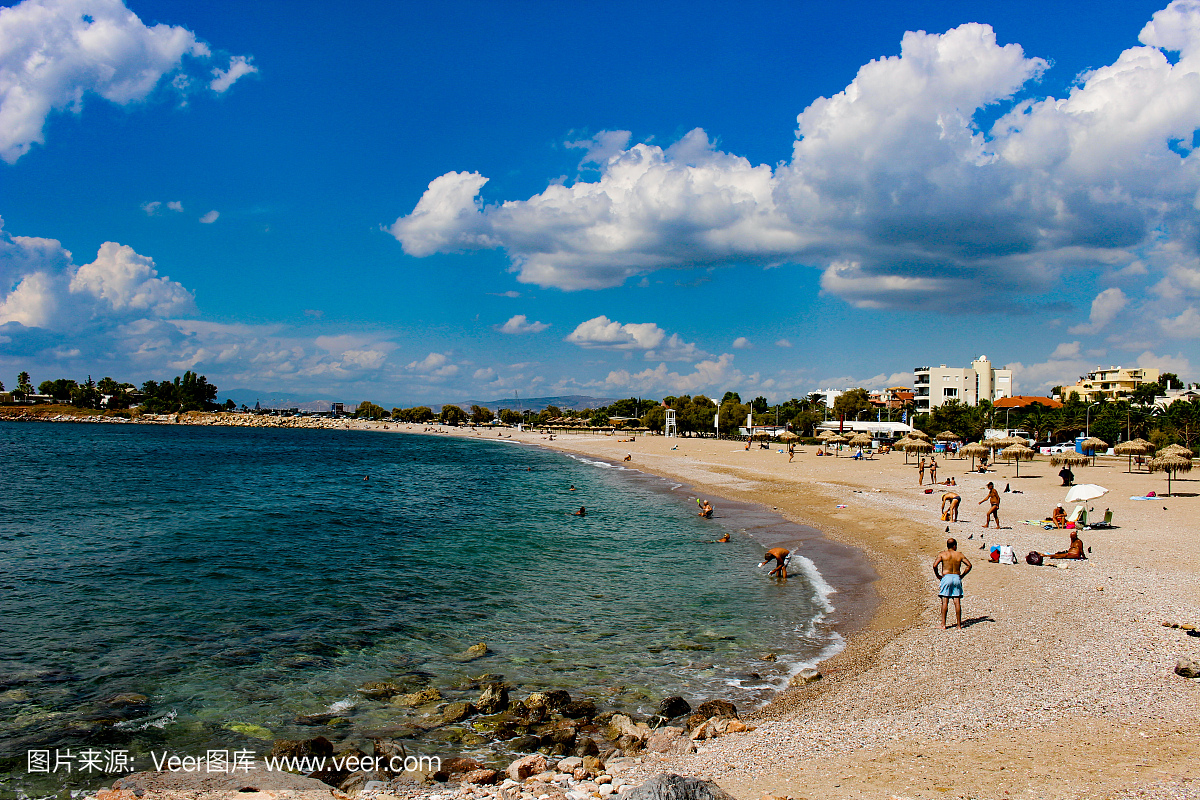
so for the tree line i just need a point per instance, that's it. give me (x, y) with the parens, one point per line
(694, 415)
(187, 392)
(1111, 420)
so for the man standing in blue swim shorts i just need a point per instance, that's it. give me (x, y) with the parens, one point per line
(948, 567)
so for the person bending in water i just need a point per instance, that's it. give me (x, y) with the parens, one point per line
(781, 556)
(582, 512)
(948, 567)
(706, 510)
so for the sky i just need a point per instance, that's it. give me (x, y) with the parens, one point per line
(423, 203)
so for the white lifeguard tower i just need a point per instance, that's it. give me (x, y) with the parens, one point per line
(672, 428)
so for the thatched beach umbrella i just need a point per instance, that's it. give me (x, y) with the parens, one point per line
(1172, 464)
(788, 436)
(861, 440)
(1134, 447)
(1018, 453)
(902, 444)
(919, 434)
(1005, 442)
(837, 439)
(1176, 450)
(948, 436)
(974, 450)
(919, 446)
(1070, 459)
(1092, 443)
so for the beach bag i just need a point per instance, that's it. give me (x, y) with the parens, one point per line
(1007, 556)
(994, 554)
(1034, 558)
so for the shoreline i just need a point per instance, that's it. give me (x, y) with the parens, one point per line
(1062, 683)
(845, 568)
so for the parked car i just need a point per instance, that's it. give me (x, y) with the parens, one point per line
(1046, 448)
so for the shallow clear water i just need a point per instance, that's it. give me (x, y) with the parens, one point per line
(243, 577)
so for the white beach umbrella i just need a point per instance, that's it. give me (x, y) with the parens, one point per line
(1084, 492)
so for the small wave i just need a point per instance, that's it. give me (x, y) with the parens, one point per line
(822, 589)
(143, 724)
(340, 706)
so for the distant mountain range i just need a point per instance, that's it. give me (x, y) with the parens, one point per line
(268, 399)
(248, 397)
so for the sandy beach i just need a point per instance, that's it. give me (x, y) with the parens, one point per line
(1061, 683)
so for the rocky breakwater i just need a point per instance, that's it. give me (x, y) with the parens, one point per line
(565, 749)
(236, 420)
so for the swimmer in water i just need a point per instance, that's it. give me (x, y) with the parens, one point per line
(582, 512)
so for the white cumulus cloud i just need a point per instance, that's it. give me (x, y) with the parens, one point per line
(239, 67)
(210, 217)
(1105, 308)
(520, 324)
(742, 343)
(54, 53)
(603, 333)
(893, 190)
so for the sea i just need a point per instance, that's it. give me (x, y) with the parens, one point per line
(246, 582)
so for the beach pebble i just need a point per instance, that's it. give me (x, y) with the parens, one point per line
(672, 707)
(717, 708)
(569, 764)
(607, 789)
(1187, 667)
(522, 768)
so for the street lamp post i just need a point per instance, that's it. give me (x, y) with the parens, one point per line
(1087, 421)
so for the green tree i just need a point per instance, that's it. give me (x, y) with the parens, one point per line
(510, 417)
(453, 415)
(481, 415)
(849, 404)
(655, 418)
(87, 395)
(368, 410)
(60, 389)
(1169, 380)
(733, 414)
(760, 405)
(24, 387)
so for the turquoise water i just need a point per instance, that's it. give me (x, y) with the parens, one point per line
(240, 578)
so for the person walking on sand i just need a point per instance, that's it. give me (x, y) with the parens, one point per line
(782, 557)
(932, 470)
(948, 568)
(921, 473)
(791, 452)
(950, 514)
(993, 497)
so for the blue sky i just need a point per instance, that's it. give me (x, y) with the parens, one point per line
(435, 202)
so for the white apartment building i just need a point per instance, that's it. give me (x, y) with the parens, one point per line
(936, 386)
(1113, 382)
